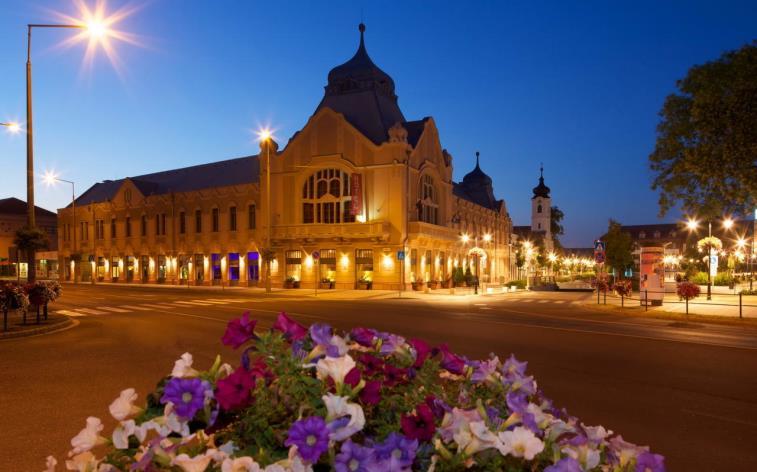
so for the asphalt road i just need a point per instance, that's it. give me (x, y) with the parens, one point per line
(689, 392)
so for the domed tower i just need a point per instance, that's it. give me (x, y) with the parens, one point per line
(364, 94)
(478, 186)
(541, 209)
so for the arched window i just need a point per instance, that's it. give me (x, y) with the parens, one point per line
(326, 197)
(538, 208)
(428, 201)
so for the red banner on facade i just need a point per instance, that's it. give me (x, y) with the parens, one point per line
(356, 191)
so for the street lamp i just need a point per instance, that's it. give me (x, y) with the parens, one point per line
(692, 225)
(50, 178)
(13, 127)
(265, 136)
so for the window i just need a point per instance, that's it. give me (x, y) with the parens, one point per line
(251, 223)
(143, 226)
(327, 264)
(113, 228)
(115, 269)
(538, 208)
(162, 268)
(233, 220)
(326, 198)
(215, 220)
(163, 224)
(293, 264)
(84, 230)
(198, 221)
(128, 227)
(199, 267)
(364, 265)
(157, 224)
(182, 222)
(428, 204)
(234, 266)
(215, 266)
(99, 229)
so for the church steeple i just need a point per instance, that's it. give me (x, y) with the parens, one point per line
(541, 190)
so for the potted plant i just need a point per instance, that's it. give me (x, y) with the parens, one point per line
(364, 283)
(433, 284)
(291, 282)
(417, 285)
(687, 291)
(326, 283)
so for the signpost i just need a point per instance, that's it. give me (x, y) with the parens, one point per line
(599, 258)
(401, 258)
(317, 258)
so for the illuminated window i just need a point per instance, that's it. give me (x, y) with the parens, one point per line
(428, 204)
(326, 198)
(251, 223)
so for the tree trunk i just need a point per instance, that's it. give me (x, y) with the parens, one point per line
(32, 274)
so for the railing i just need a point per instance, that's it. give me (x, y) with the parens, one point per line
(344, 230)
(739, 302)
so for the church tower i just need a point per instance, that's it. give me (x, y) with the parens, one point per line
(541, 210)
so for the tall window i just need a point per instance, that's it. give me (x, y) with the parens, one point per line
(215, 220)
(198, 221)
(326, 197)
(157, 224)
(113, 228)
(99, 229)
(538, 208)
(182, 222)
(163, 224)
(428, 205)
(232, 218)
(251, 223)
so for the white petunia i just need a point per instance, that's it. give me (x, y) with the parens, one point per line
(50, 464)
(335, 367)
(121, 434)
(520, 442)
(88, 437)
(123, 406)
(182, 368)
(83, 462)
(339, 407)
(240, 464)
(192, 464)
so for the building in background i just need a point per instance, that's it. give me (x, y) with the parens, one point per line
(13, 263)
(352, 192)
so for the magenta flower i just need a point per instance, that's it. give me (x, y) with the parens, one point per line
(419, 426)
(371, 393)
(352, 378)
(451, 362)
(363, 336)
(233, 391)
(293, 331)
(187, 395)
(394, 375)
(311, 436)
(239, 331)
(422, 351)
(372, 364)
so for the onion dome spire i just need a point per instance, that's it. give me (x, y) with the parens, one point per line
(541, 190)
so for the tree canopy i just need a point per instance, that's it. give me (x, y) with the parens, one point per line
(705, 158)
(618, 247)
(555, 226)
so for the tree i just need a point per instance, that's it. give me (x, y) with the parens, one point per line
(618, 245)
(30, 240)
(556, 217)
(704, 158)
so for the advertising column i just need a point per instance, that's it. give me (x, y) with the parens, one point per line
(651, 276)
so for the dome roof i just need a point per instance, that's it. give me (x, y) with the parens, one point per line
(359, 73)
(541, 190)
(477, 176)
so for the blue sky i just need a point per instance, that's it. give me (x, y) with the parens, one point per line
(576, 85)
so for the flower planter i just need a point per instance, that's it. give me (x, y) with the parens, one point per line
(417, 286)
(433, 284)
(292, 284)
(326, 285)
(362, 285)
(377, 402)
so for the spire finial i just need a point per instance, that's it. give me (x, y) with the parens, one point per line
(361, 28)
(477, 154)
(541, 170)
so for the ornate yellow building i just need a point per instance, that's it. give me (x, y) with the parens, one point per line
(355, 190)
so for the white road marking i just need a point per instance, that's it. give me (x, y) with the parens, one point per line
(114, 310)
(559, 302)
(192, 303)
(526, 300)
(542, 301)
(213, 302)
(90, 311)
(69, 313)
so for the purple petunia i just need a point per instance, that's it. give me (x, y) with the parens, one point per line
(239, 331)
(390, 343)
(450, 361)
(363, 336)
(311, 436)
(649, 462)
(484, 370)
(396, 453)
(187, 395)
(355, 458)
(334, 345)
(567, 464)
(513, 369)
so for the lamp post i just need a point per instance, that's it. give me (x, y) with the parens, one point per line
(50, 178)
(692, 225)
(265, 137)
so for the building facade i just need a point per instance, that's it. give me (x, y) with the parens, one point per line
(360, 197)
(13, 263)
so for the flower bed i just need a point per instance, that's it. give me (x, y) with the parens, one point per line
(311, 399)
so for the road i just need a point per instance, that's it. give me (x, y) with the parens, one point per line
(689, 392)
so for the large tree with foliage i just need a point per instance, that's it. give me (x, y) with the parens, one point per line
(30, 240)
(705, 158)
(618, 247)
(555, 226)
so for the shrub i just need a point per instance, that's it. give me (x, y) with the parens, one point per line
(722, 279)
(313, 399)
(520, 284)
(700, 278)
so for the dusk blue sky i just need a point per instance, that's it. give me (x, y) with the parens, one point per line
(575, 85)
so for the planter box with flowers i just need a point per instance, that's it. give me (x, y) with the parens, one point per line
(291, 282)
(314, 399)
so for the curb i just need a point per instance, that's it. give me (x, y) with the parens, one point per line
(61, 325)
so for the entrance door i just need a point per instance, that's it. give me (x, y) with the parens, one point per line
(253, 269)
(144, 268)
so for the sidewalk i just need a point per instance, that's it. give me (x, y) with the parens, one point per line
(720, 305)
(16, 327)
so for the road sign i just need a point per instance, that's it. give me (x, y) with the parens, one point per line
(400, 255)
(316, 255)
(599, 251)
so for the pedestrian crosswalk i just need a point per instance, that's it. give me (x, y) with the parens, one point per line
(173, 304)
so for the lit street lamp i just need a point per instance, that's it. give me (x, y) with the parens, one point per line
(264, 135)
(12, 126)
(50, 179)
(692, 225)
